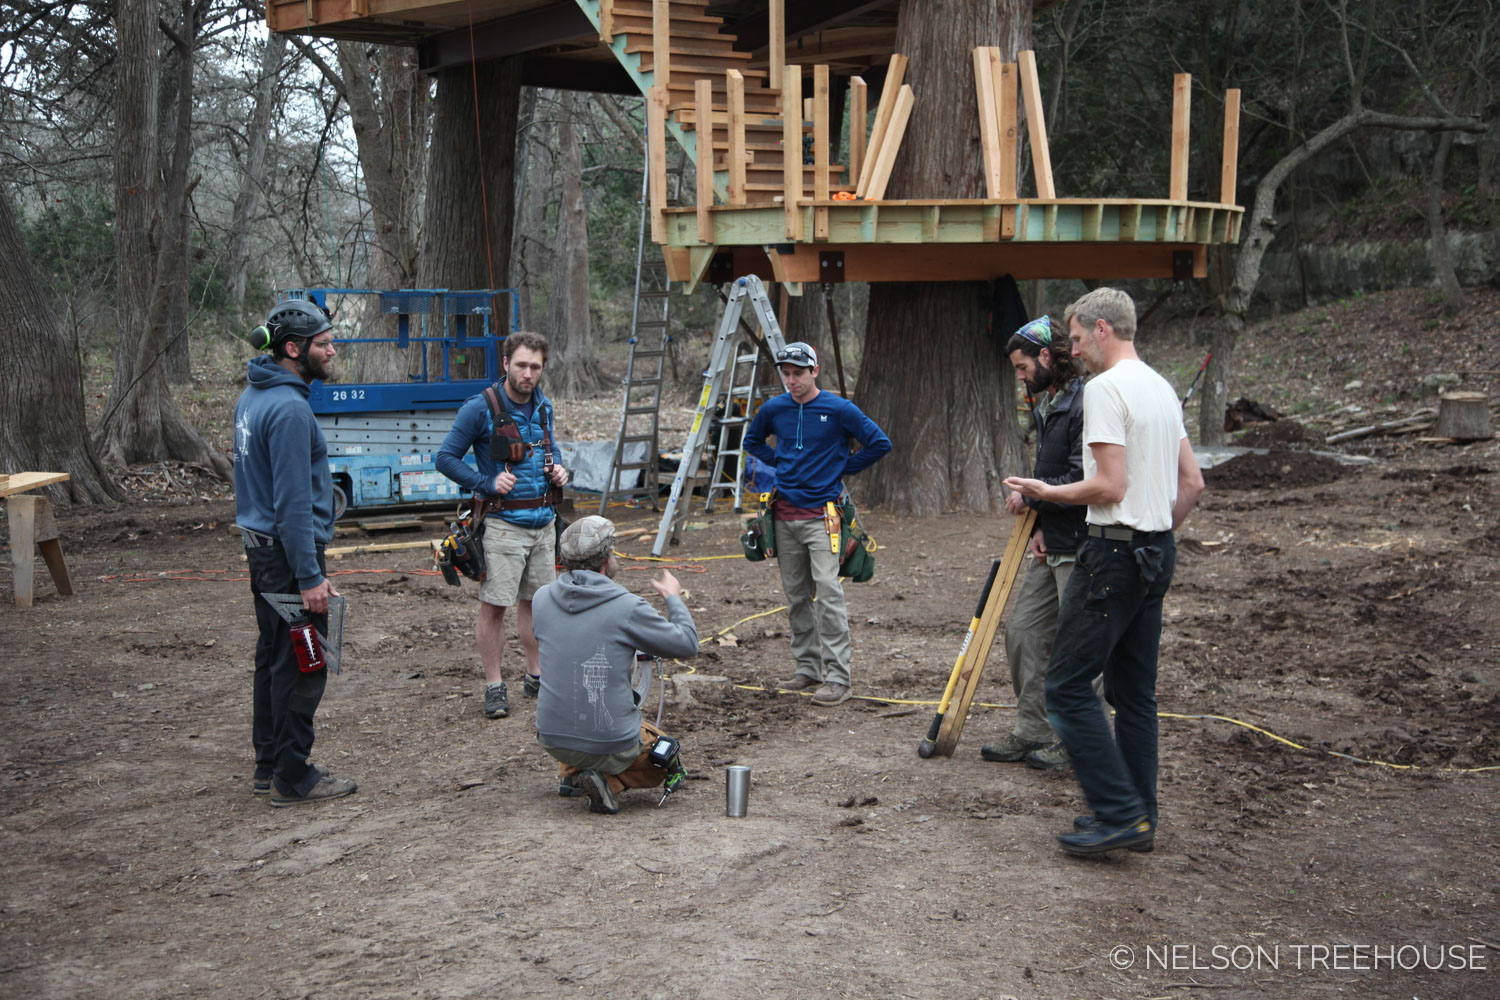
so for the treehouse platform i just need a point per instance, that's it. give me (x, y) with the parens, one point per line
(725, 80)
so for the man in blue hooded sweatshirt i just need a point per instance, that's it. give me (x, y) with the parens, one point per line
(813, 431)
(283, 499)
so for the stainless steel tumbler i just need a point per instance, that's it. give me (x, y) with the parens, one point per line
(736, 791)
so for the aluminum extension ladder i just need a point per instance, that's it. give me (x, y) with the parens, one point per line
(640, 408)
(722, 361)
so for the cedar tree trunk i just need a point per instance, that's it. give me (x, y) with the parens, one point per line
(933, 376)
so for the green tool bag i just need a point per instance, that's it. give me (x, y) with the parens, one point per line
(856, 547)
(759, 539)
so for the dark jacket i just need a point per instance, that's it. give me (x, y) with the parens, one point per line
(1059, 460)
(472, 429)
(282, 483)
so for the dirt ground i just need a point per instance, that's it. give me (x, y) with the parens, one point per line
(1348, 610)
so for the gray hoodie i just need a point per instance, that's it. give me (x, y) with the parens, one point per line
(589, 628)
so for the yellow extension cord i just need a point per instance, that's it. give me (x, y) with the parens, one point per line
(1160, 715)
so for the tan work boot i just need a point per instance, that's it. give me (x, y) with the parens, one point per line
(831, 694)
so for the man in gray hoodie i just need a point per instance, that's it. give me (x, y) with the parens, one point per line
(589, 628)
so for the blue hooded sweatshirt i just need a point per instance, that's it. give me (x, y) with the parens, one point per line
(282, 484)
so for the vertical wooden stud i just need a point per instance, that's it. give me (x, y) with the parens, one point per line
(1228, 172)
(858, 95)
(820, 149)
(1009, 137)
(656, 145)
(607, 22)
(891, 144)
(777, 44)
(21, 512)
(791, 149)
(703, 93)
(989, 141)
(735, 82)
(661, 43)
(1182, 86)
(888, 94)
(1036, 125)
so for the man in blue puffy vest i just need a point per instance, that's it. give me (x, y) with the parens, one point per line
(511, 431)
(283, 506)
(813, 431)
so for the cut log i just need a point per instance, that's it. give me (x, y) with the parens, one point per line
(1463, 416)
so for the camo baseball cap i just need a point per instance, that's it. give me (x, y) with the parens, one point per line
(586, 538)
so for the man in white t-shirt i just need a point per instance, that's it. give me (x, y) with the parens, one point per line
(1140, 479)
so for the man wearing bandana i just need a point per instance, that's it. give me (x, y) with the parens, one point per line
(1056, 388)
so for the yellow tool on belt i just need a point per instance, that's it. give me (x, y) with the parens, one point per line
(831, 522)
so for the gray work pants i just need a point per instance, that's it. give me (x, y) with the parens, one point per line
(1029, 632)
(820, 629)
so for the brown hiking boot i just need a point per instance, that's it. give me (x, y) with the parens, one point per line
(831, 694)
(797, 682)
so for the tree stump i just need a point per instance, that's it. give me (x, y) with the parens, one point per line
(1463, 416)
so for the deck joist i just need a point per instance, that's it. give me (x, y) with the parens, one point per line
(954, 240)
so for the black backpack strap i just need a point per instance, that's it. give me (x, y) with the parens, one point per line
(506, 444)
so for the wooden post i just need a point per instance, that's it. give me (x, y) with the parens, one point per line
(1036, 125)
(703, 92)
(777, 42)
(1009, 136)
(791, 149)
(607, 22)
(32, 527)
(891, 144)
(735, 82)
(1182, 86)
(661, 43)
(858, 94)
(820, 150)
(1228, 173)
(888, 93)
(656, 145)
(989, 120)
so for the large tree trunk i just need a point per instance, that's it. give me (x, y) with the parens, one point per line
(171, 308)
(41, 386)
(390, 130)
(470, 205)
(253, 179)
(933, 376)
(571, 367)
(140, 421)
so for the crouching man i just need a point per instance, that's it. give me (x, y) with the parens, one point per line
(588, 629)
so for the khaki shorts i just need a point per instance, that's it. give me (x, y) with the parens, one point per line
(517, 561)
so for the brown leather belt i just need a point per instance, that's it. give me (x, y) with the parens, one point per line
(551, 498)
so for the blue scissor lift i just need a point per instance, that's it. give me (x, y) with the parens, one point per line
(383, 436)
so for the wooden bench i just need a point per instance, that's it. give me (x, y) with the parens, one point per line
(32, 527)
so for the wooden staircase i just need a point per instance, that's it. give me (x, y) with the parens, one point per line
(697, 50)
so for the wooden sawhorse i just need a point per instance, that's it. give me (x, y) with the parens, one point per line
(32, 527)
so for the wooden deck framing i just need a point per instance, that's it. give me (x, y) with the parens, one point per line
(771, 200)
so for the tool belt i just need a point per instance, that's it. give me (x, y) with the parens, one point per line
(856, 547)
(759, 538)
(462, 549)
(551, 498)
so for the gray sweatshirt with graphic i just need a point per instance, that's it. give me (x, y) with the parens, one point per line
(589, 628)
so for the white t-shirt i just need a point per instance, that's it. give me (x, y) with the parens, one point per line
(1131, 405)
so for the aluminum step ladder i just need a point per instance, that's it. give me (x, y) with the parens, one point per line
(637, 445)
(727, 347)
(745, 381)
